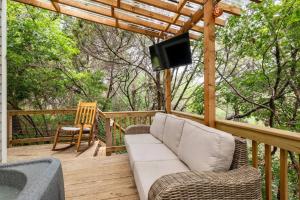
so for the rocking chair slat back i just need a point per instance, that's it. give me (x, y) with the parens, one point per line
(85, 114)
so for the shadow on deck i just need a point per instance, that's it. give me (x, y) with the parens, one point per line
(86, 176)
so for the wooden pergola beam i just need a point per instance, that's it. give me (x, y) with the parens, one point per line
(90, 17)
(112, 12)
(56, 6)
(173, 8)
(147, 13)
(198, 15)
(230, 9)
(116, 16)
(177, 15)
(186, 11)
(193, 20)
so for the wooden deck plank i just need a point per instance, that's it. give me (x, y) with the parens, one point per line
(86, 177)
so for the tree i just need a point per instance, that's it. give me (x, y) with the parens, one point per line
(258, 67)
(41, 67)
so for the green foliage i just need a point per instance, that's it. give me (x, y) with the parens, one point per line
(198, 107)
(41, 69)
(259, 72)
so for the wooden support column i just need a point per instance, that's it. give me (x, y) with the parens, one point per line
(254, 154)
(283, 174)
(108, 136)
(168, 90)
(268, 172)
(209, 64)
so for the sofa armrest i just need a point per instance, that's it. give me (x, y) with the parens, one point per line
(243, 183)
(137, 129)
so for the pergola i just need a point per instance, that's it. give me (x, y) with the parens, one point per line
(160, 19)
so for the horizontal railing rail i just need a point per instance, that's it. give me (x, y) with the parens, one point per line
(35, 126)
(280, 138)
(41, 112)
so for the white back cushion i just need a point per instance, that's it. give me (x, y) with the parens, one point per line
(206, 149)
(172, 132)
(157, 126)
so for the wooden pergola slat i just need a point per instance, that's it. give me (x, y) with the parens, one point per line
(230, 9)
(115, 7)
(147, 13)
(177, 15)
(92, 18)
(117, 15)
(173, 8)
(56, 6)
(186, 11)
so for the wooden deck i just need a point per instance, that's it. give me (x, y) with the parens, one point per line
(86, 177)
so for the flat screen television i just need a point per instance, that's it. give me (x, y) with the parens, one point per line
(171, 53)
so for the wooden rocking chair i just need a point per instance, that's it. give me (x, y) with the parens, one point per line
(83, 125)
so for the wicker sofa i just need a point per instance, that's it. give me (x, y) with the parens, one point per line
(177, 158)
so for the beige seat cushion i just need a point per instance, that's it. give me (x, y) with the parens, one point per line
(148, 152)
(141, 139)
(146, 173)
(70, 128)
(172, 132)
(157, 126)
(206, 149)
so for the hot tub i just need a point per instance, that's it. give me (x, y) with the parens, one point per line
(32, 180)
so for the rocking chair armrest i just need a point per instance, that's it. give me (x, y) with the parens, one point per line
(241, 183)
(137, 129)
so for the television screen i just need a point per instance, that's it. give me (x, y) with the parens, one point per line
(171, 53)
(155, 58)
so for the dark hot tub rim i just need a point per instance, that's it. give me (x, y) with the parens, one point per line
(50, 180)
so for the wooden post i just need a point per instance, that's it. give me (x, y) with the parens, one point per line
(168, 90)
(209, 64)
(10, 130)
(268, 172)
(108, 136)
(254, 154)
(283, 174)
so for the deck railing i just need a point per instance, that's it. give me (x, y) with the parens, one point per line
(35, 126)
(263, 138)
(113, 124)
(39, 126)
(117, 122)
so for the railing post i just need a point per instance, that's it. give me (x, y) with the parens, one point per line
(268, 172)
(108, 136)
(254, 154)
(9, 129)
(283, 174)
